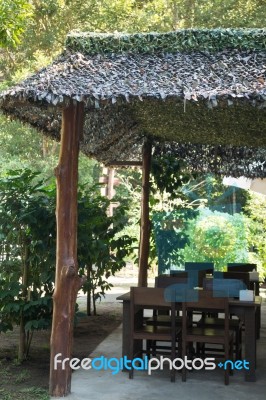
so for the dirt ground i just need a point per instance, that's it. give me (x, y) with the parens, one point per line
(30, 380)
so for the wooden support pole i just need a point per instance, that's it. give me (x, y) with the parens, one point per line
(67, 281)
(145, 225)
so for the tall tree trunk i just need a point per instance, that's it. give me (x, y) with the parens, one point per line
(22, 339)
(110, 190)
(190, 6)
(25, 273)
(67, 281)
(89, 268)
(145, 219)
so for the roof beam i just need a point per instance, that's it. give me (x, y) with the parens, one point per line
(124, 164)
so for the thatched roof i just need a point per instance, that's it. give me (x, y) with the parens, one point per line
(203, 91)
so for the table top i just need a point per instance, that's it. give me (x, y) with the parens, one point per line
(256, 302)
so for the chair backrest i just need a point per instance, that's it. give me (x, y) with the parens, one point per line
(205, 300)
(142, 298)
(241, 267)
(199, 266)
(241, 276)
(149, 297)
(179, 273)
(173, 285)
(163, 281)
(226, 287)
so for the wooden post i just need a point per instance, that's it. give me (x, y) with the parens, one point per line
(67, 281)
(145, 225)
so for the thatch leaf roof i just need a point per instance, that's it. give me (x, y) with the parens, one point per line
(184, 40)
(200, 87)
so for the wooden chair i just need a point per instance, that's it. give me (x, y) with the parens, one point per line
(163, 317)
(240, 276)
(223, 336)
(229, 282)
(178, 273)
(230, 288)
(245, 279)
(238, 267)
(197, 272)
(166, 280)
(199, 266)
(241, 267)
(142, 298)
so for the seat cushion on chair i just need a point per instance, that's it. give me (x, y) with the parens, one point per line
(163, 320)
(219, 322)
(148, 331)
(208, 334)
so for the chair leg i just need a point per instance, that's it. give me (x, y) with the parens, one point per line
(131, 356)
(238, 344)
(173, 352)
(184, 372)
(148, 347)
(228, 355)
(200, 348)
(226, 377)
(231, 355)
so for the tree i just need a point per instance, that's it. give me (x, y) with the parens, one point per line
(27, 250)
(255, 209)
(51, 20)
(101, 247)
(217, 237)
(22, 147)
(14, 19)
(27, 254)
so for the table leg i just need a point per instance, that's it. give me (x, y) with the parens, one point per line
(250, 344)
(126, 329)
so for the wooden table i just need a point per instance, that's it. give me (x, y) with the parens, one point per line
(246, 310)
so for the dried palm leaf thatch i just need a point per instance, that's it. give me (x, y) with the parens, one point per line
(198, 90)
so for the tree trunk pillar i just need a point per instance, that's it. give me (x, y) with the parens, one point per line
(67, 281)
(145, 225)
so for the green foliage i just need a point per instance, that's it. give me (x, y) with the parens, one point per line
(171, 232)
(217, 237)
(165, 15)
(228, 13)
(209, 190)
(22, 147)
(27, 247)
(256, 212)
(52, 20)
(14, 15)
(170, 174)
(101, 251)
(130, 189)
(198, 222)
(27, 253)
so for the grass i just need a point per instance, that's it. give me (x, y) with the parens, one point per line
(22, 376)
(34, 393)
(31, 393)
(15, 384)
